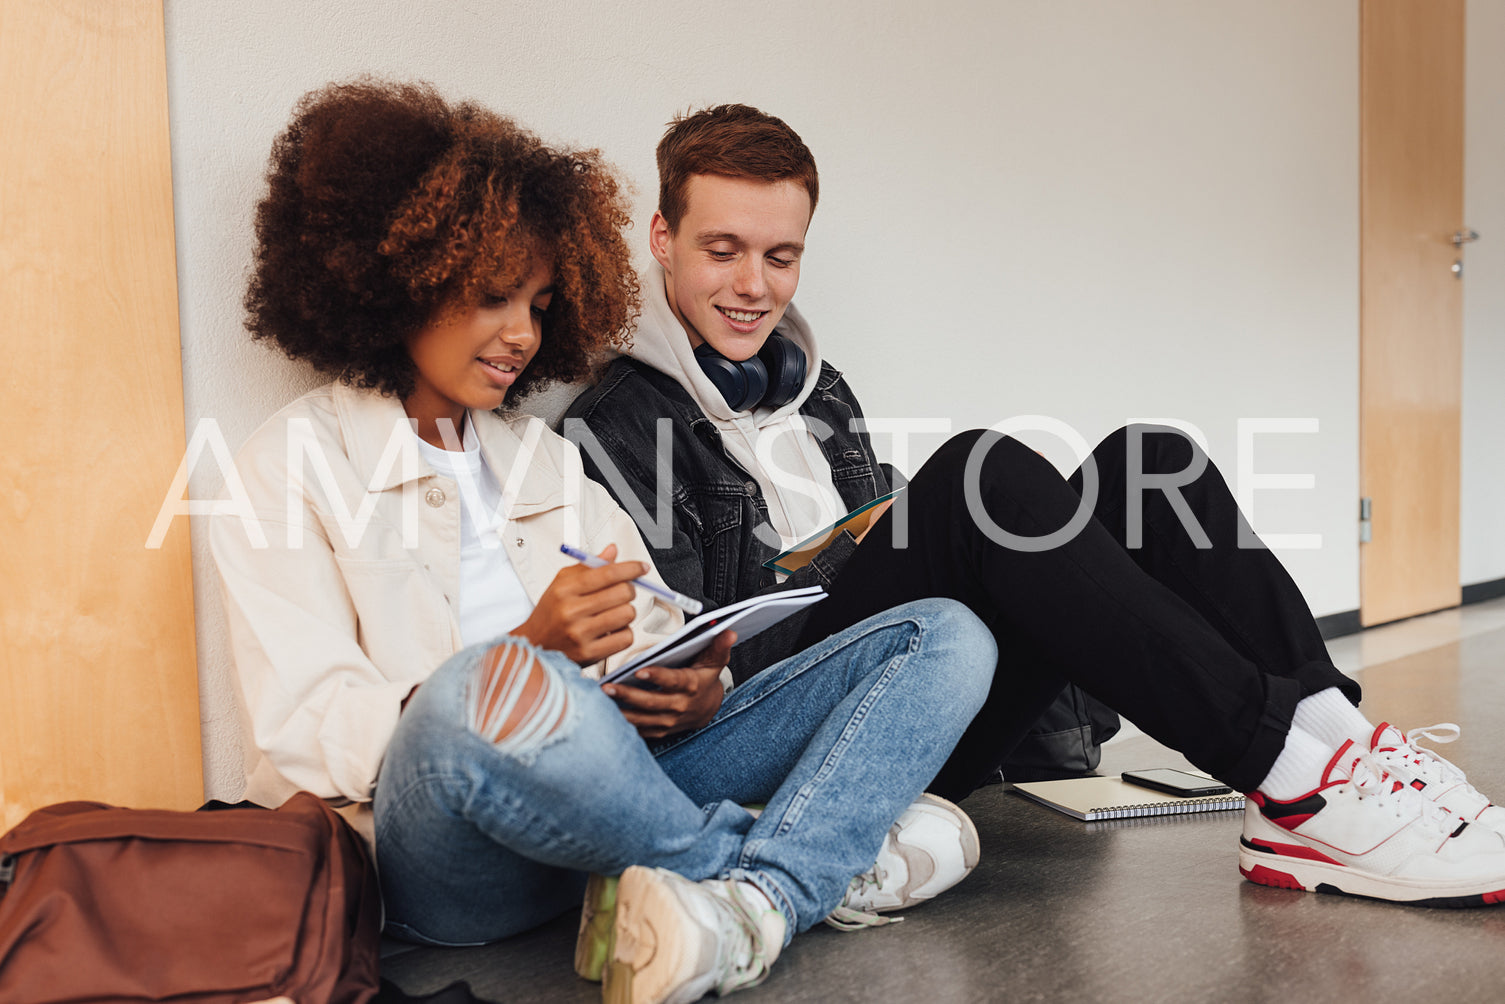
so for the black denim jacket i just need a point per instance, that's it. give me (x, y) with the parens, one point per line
(705, 545)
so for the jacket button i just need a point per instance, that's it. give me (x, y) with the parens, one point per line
(519, 542)
(434, 497)
(751, 487)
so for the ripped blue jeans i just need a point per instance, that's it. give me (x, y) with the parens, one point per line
(511, 776)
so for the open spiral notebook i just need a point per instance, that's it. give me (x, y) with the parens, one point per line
(747, 617)
(1091, 798)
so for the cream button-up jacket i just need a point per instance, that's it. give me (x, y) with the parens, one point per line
(340, 570)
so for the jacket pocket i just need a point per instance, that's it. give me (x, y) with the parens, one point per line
(721, 515)
(403, 621)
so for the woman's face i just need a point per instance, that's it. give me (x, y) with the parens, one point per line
(467, 358)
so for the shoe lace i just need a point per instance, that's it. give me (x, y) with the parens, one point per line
(1370, 779)
(849, 917)
(1420, 756)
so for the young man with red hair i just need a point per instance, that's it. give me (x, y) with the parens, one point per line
(727, 435)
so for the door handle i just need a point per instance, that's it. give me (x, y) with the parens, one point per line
(1464, 236)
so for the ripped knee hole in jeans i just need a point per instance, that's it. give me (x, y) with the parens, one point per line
(514, 701)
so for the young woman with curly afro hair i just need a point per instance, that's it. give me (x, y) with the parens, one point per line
(386, 206)
(411, 644)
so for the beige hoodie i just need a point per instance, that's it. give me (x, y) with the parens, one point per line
(775, 446)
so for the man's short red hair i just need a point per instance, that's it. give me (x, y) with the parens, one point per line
(733, 141)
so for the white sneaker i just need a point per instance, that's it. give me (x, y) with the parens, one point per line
(1364, 832)
(1430, 774)
(931, 847)
(675, 941)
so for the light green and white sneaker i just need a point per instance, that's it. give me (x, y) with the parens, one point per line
(931, 847)
(676, 941)
(597, 915)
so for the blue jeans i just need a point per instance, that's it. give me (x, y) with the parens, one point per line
(476, 841)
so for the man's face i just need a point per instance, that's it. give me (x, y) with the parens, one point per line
(733, 265)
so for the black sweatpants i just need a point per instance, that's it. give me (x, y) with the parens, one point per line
(1207, 649)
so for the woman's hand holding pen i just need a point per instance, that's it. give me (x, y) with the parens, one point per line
(586, 613)
(686, 698)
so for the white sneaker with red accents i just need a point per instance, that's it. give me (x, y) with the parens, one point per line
(1363, 832)
(1430, 774)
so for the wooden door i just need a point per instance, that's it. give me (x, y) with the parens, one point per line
(1411, 305)
(98, 678)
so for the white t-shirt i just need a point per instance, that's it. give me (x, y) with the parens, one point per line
(492, 598)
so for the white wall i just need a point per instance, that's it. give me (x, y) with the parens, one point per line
(1096, 210)
(1482, 530)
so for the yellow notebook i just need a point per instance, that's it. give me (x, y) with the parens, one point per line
(1093, 798)
(800, 554)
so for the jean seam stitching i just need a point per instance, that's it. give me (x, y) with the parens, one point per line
(832, 760)
(783, 682)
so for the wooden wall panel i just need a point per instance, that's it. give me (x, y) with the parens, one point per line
(98, 678)
(1410, 305)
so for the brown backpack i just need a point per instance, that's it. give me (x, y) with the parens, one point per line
(244, 904)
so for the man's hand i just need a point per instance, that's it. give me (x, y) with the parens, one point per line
(586, 613)
(686, 699)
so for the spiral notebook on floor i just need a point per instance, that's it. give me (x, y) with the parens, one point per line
(1091, 798)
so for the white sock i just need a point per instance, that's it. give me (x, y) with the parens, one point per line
(1298, 769)
(1328, 716)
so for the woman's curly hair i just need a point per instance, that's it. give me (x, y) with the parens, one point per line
(386, 205)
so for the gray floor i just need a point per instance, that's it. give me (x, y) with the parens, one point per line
(1139, 910)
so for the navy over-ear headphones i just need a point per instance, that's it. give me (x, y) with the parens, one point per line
(772, 377)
